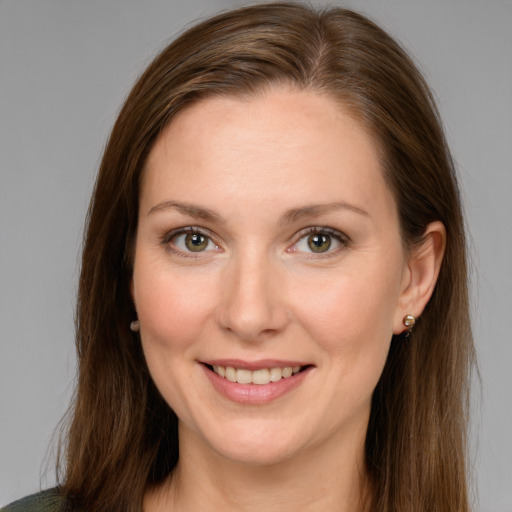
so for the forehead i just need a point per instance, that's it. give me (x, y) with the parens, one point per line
(282, 145)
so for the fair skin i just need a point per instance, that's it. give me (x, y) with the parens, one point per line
(268, 238)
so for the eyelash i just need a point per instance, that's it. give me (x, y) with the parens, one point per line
(340, 237)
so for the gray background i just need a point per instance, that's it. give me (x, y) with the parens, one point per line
(66, 65)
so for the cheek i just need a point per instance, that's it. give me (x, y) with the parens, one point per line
(172, 307)
(351, 314)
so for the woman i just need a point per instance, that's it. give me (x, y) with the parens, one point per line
(273, 308)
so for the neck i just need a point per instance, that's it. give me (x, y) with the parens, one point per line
(323, 478)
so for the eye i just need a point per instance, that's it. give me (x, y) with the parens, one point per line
(319, 241)
(190, 240)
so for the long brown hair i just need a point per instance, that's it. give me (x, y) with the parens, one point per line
(122, 436)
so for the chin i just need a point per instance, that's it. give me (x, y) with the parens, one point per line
(255, 445)
(256, 456)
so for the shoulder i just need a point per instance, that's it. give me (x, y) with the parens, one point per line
(45, 501)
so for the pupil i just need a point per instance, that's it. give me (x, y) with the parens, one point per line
(319, 242)
(196, 242)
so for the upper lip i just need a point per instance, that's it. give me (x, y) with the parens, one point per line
(254, 365)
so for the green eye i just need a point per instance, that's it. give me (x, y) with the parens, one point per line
(319, 242)
(196, 242)
(190, 241)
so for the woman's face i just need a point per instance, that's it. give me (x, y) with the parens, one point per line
(268, 242)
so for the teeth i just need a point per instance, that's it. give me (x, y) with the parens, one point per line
(231, 374)
(276, 374)
(261, 377)
(243, 376)
(287, 372)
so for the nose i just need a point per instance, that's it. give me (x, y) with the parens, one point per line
(253, 305)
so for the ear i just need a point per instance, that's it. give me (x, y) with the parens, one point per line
(420, 275)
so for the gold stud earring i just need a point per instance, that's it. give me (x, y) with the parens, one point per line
(135, 326)
(409, 321)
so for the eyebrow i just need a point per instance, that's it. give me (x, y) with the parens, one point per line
(315, 210)
(289, 217)
(189, 209)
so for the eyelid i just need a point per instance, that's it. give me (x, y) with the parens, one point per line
(169, 235)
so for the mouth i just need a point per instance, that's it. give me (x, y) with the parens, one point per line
(260, 376)
(257, 382)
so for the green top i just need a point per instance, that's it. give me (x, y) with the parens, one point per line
(45, 501)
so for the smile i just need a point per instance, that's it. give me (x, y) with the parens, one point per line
(257, 382)
(260, 377)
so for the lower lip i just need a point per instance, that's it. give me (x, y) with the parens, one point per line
(254, 394)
